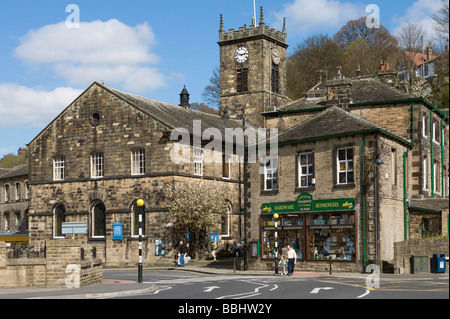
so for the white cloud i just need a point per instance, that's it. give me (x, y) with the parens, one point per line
(420, 12)
(304, 16)
(21, 106)
(111, 51)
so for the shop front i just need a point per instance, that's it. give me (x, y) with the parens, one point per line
(318, 230)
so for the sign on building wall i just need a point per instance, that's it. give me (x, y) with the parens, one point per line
(118, 231)
(305, 203)
(160, 247)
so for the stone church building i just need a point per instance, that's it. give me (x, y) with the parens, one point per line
(360, 165)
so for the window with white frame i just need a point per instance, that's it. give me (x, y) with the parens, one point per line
(345, 173)
(305, 169)
(97, 165)
(436, 131)
(437, 177)
(138, 162)
(27, 190)
(198, 162)
(226, 222)
(98, 220)
(226, 166)
(59, 217)
(59, 168)
(271, 174)
(425, 174)
(18, 191)
(7, 193)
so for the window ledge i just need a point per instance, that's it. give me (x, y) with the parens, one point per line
(269, 193)
(351, 185)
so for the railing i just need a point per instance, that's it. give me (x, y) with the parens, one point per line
(25, 252)
(94, 253)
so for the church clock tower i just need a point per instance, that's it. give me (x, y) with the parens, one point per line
(252, 70)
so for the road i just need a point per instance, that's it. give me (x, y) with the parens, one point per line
(195, 286)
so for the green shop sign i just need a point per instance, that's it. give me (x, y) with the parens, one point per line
(305, 203)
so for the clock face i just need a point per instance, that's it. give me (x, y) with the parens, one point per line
(241, 54)
(276, 57)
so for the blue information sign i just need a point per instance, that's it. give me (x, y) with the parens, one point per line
(117, 231)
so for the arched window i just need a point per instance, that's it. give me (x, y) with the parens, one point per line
(98, 220)
(226, 222)
(135, 220)
(59, 217)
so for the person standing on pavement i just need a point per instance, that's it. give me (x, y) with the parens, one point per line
(182, 254)
(292, 260)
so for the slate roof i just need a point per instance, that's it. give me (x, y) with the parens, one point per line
(369, 90)
(20, 170)
(363, 89)
(329, 123)
(431, 204)
(175, 116)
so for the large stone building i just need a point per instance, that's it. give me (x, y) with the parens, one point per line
(360, 166)
(106, 150)
(14, 198)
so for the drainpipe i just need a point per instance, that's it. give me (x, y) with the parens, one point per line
(405, 194)
(431, 149)
(442, 154)
(363, 204)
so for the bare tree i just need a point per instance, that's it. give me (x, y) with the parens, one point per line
(441, 19)
(410, 39)
(212, 91)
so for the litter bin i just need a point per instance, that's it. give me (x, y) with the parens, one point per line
(439, 263)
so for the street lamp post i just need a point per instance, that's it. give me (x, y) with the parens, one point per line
(378, 161)
(276, 216)
(140, 204)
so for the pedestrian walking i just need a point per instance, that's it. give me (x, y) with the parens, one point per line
(283, 263)
(292, 260)
(182, 252)
(214, 249)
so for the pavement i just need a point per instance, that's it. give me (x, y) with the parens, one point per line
(111, 288)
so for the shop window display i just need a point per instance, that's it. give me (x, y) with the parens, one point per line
(331, 236)
(290, 232)
(314, 236)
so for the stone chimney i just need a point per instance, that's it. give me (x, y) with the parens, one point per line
(184, 99)
(386, 75)
(339, 91)
(429, 52)
(358, 71)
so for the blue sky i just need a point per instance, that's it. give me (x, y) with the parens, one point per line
(146, 47)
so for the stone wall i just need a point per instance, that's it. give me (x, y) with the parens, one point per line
(62, 267)
(405, 249)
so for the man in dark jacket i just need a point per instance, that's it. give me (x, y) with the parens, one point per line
(182, 254)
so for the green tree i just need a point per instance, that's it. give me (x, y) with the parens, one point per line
(365, 47)
(11, 160)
